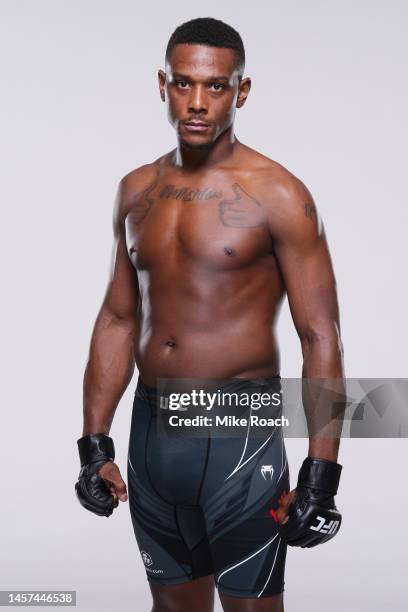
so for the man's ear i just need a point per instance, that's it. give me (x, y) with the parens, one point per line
(244, 89)
(162, 80)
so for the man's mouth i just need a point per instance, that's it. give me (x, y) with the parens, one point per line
(196, 126)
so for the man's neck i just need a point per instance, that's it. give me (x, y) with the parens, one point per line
(196, 159)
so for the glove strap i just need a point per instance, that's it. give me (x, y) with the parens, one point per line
(320, 474)
(95, 447)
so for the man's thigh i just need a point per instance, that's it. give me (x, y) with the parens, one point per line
(247, 550)
(197, 595)
(266, 604)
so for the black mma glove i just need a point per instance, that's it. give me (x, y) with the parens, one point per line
(93, 494)
(313, 516)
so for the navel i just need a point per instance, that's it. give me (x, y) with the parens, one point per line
(229, 251)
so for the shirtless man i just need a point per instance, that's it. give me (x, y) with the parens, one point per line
(208, 239)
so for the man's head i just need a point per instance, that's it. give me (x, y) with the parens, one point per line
(205, 61)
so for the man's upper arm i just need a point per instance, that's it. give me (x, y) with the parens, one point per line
(122, 293)
(303, 255)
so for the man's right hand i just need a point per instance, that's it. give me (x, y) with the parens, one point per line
(100, 484)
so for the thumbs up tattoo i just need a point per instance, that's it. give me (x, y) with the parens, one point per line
(241, 211)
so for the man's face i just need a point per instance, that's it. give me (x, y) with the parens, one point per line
(202, 90)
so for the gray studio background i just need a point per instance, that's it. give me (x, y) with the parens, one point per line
(79, 109)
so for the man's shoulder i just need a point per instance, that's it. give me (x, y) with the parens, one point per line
(288, 202)
(139, 180)
(272, 176)
(129, 186)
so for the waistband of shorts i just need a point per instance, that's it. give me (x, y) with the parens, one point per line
(151, 393)
(146, 390)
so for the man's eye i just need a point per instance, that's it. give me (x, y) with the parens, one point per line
(181, 83)
(218, 86)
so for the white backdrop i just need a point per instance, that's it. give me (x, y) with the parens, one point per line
(80, 108)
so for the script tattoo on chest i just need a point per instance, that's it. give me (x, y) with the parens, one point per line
(188, 195)
(243, 210)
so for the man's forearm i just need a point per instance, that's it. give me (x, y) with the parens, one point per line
(323, 394)
(108, 371)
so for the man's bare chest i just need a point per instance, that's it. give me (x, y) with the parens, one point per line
(215, 223)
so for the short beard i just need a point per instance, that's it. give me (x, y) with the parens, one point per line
(195, 147)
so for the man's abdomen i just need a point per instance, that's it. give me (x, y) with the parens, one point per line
(228, 349)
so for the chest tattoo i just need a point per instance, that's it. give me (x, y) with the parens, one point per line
(143, 201)
(188, 195)
(242, 210)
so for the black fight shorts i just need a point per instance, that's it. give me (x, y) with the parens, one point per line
(201, 506)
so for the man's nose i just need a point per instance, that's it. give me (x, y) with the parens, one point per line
(198, 102)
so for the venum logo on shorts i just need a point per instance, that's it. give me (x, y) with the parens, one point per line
(330, 528)
(267, 469)
(148, 561)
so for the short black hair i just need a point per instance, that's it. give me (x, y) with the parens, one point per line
(210, 32)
